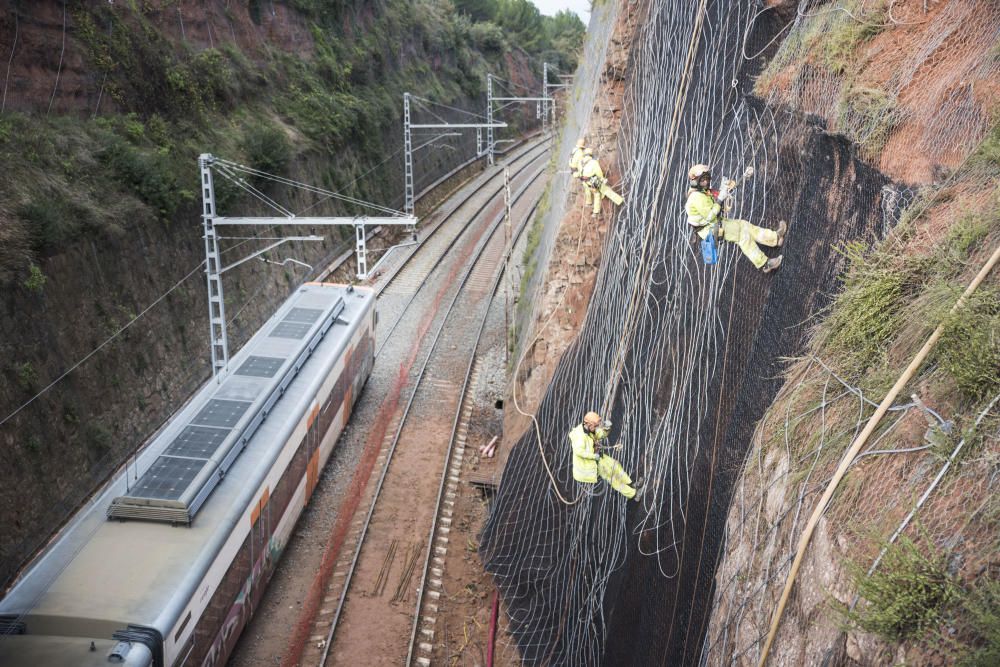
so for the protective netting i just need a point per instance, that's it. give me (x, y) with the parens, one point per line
(927, 476)
(683, 357)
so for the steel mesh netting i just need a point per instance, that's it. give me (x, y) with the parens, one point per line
(928, 88)
(928, 476)
(683, 357)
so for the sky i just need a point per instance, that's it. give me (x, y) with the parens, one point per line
(550, 7)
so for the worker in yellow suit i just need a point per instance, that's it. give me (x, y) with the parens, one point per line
(575, 158)
(592, 174)
(588, 464)
(703, 208)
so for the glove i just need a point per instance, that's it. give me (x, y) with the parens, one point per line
(726, 191)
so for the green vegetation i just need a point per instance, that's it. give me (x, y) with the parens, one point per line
(980, 614)
(557, 39)
(969, 348)
(36, 279)
(846, 32)
(327, 109)
(868, 116)
(27, 376)
(988, 152)
(866, 316)
(907, 595)
(911, 596)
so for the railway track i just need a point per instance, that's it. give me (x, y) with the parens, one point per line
(386, 564)
(430, 587)
(345, 253)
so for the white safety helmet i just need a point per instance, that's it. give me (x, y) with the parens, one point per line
(580, 143)
(698, 171)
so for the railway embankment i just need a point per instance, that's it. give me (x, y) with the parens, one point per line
(872, 131)
(105, 109)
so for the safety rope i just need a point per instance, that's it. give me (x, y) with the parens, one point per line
(632, 316)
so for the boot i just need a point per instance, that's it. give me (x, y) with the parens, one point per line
(782, 228)
(772, 264)
(640, 489)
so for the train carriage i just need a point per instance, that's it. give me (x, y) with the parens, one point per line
(166, 565)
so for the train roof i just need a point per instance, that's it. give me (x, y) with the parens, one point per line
(98, 576)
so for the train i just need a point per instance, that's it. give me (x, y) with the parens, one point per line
(166, 564)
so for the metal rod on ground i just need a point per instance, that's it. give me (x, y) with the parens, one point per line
(491, 642)
(859, 442)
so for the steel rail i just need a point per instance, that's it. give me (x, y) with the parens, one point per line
(479, 210)
(385, 468)
(422, 586)
(479, 188)
(340, 255)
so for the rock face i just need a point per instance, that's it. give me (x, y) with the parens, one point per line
(574, 241)
(101, 199)
(685, 358)
(49, 64)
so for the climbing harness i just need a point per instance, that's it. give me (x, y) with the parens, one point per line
(709, 246)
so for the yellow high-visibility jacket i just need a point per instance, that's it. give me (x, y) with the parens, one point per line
(591, 168)
(584, 457)
(702, 211)
(575, 158)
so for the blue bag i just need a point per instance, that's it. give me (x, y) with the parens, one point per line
(709, 249)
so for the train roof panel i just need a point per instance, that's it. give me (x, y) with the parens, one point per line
(205, 445)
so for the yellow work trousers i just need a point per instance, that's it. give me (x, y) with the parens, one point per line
(598, 197)
(612, 471)
(747, 236)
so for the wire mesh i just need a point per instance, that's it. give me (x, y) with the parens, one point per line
(684, 358)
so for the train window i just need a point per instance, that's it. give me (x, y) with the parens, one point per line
(180, 630)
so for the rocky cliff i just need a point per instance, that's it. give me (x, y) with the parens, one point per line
(869, 129)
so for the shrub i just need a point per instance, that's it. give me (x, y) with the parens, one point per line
(27, 377)
(36, 279)
(488, 37)
(981, 618)
(849, 31)
(51, 220)
(97, 438)
(150, 175)
(969, 347)
(267, 147)
(905, 596)
(868, 116)
(866, 315)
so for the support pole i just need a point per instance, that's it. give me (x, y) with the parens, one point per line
(508, 239)
(489, 117)
(407, 158)
(213, 271)
(361, 251)
(545, 96)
